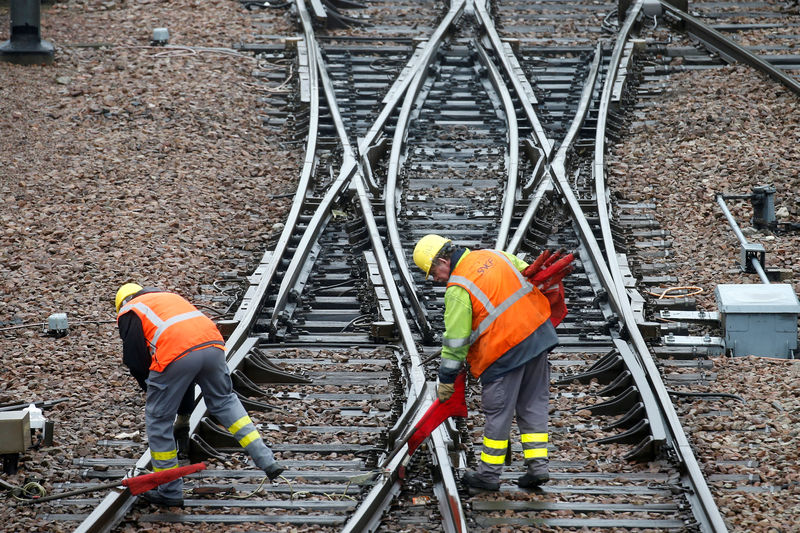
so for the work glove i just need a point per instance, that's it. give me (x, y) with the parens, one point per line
(537, 264)
(445, 390)
(549, 269)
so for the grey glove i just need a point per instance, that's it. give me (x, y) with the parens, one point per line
(445, 390)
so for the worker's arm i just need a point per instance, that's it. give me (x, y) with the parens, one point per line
(135, 354)
(457, 329)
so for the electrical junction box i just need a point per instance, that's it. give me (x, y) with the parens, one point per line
(15, 431)
(759, 319)
(57, 324)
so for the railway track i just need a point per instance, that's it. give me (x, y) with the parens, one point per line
(420, 118)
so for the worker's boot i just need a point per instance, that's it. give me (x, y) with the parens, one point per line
(471, 480)
(274, 470)
(537, 474)
(180, 430)
(532, 481)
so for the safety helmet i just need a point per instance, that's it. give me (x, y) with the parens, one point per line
(426, 249)
(129, 289)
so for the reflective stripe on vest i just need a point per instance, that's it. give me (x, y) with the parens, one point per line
(172, 327)
(494, 451)
(487, 281)
(493, 312)
(160, 325)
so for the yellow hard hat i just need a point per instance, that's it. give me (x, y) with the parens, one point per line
(126, 290)
(426, 249)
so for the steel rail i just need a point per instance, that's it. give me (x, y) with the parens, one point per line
(598, 165)
(271, 259)
(367, 516)
(512, 154)
(349, 166)
(561, 155)
(655, 422)
(116, 505)
(729, 49)
(485, 20)
(497, 45)
(704, 507)
(557, 173)
(398, 141)
(606, 279)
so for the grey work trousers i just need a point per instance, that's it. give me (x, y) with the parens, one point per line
(524, 391)
(207, 368)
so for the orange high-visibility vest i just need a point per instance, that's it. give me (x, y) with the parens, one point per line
(506, 308)
(172, 327)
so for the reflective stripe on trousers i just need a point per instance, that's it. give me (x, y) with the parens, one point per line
(244, 431)
(534, 445)
(494, 451)
(207, 368)
(164, 460)
(524, 392)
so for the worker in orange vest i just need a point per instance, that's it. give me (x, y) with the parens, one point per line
(498, 322)
(169, 345)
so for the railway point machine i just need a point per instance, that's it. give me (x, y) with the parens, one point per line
(759, 319)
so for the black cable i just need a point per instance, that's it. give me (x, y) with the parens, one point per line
(217, 312)
(708, 395)
(42, 324)
(28, 325)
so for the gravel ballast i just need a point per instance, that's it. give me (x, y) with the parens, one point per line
(124, 162)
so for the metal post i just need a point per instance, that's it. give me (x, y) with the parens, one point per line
(752, 254)
(763, 201)
(26, 47)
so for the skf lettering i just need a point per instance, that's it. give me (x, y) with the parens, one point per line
(486, 266)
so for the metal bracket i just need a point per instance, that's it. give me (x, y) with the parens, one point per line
(694, 316)
(752, 251)
(715, 345)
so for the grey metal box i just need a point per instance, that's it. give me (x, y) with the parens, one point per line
(15, 431)
(759, 319)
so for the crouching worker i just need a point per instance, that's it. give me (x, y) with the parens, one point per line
(498, 322)
(169, 345)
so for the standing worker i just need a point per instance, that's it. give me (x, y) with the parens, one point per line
(498, 322)
(166, 339)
